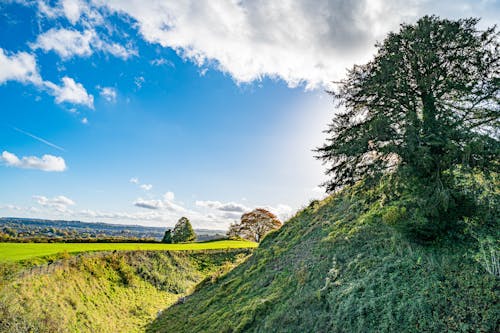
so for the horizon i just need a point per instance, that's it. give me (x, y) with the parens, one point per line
(98, 222)
(138, 114)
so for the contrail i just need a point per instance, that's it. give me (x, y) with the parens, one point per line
(39, 139)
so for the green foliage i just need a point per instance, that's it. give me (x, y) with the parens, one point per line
(183, 232)
(424, 107)
(340, 266)
(167, 238)
(489, 255)
(110, 292)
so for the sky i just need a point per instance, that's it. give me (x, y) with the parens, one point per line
(140, 112)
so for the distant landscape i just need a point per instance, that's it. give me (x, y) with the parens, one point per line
(29, 230)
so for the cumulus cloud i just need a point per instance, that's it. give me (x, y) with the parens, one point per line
(149, 204)
(146, 187)
(65, 42)
(75, 11)
(22, 67)
(166, 203)
(230, 211)
(284, 212)
(60, 203)
(59, 200)
(225, 207)
(71, 92)
(68, 43)
(45, 163)
(295, 41)
(108, 93)
(19, 67)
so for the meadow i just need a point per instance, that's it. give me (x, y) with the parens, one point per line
(10, 252)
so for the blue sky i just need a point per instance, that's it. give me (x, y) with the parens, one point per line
(142, 112)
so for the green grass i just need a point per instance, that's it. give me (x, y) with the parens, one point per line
(335, 268)
(104, 291)
(24, 251)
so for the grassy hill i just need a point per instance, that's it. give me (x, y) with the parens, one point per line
(103, 292)
(337, 266)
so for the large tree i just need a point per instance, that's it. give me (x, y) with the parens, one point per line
(427, 104)
(183, 231)
(254, 225)
(167, 237)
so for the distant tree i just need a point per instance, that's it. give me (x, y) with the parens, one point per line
(167, 238)
(254, 225)
(426, 105)
(183, 231)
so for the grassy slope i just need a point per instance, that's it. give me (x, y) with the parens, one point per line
(331, 270)
(102, 292)
(23, 251)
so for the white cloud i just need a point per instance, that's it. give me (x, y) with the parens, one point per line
(226, 207)
(161, 62)
(108, 93)
(146, 187)
(65, 42)
(169, 196)
(22, 67)
(300, 42)
(59, 200)
(45, 163)
(59, 203)
(296, 41)
(19, 67)
(69, 43)
(284, 212)
(166, 203)
(149, 204)
(138, 81)
(116, 49)
(233, 211)
(75, 11)
(12, 207)
(85, 121)
(71, 92)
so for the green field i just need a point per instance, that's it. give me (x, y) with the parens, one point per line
(23, 251)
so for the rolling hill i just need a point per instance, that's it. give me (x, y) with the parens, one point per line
(337, 267)
(103, 292)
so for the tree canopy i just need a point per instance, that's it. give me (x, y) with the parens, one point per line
(167, 237)
(425, 106)
(183, 231)
(255, 225)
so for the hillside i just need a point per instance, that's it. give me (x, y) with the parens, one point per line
(103, 292)
(337, 267)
